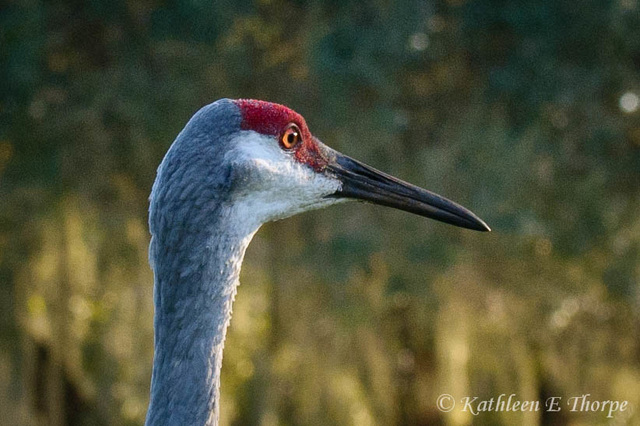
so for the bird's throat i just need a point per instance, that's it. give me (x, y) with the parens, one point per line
(195, 285)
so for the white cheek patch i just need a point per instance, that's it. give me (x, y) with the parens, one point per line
(276, 186)
(251, 145)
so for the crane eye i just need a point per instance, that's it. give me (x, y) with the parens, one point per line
(291, 136)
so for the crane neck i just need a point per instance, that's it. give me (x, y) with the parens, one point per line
(196, 277)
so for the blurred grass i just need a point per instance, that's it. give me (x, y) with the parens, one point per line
(523, 111)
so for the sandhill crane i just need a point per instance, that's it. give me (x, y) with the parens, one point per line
(236, 165)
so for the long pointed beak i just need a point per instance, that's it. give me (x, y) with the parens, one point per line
(362, 182)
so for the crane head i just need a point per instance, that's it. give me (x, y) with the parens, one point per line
(269, 166)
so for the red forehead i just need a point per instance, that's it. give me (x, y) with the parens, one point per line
(271, 119)
(268, 118)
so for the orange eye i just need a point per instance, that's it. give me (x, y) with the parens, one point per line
(291, 136)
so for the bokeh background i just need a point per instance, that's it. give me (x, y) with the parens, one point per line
(525, 111)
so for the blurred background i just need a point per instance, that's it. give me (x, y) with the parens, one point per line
(525, 111)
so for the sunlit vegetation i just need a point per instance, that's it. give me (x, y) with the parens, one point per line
(524, 111)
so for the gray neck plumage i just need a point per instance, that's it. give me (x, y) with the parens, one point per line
(196, 276)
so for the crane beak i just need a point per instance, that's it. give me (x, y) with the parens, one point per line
(362, 182)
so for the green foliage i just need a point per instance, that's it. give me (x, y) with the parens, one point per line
(354, 315)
